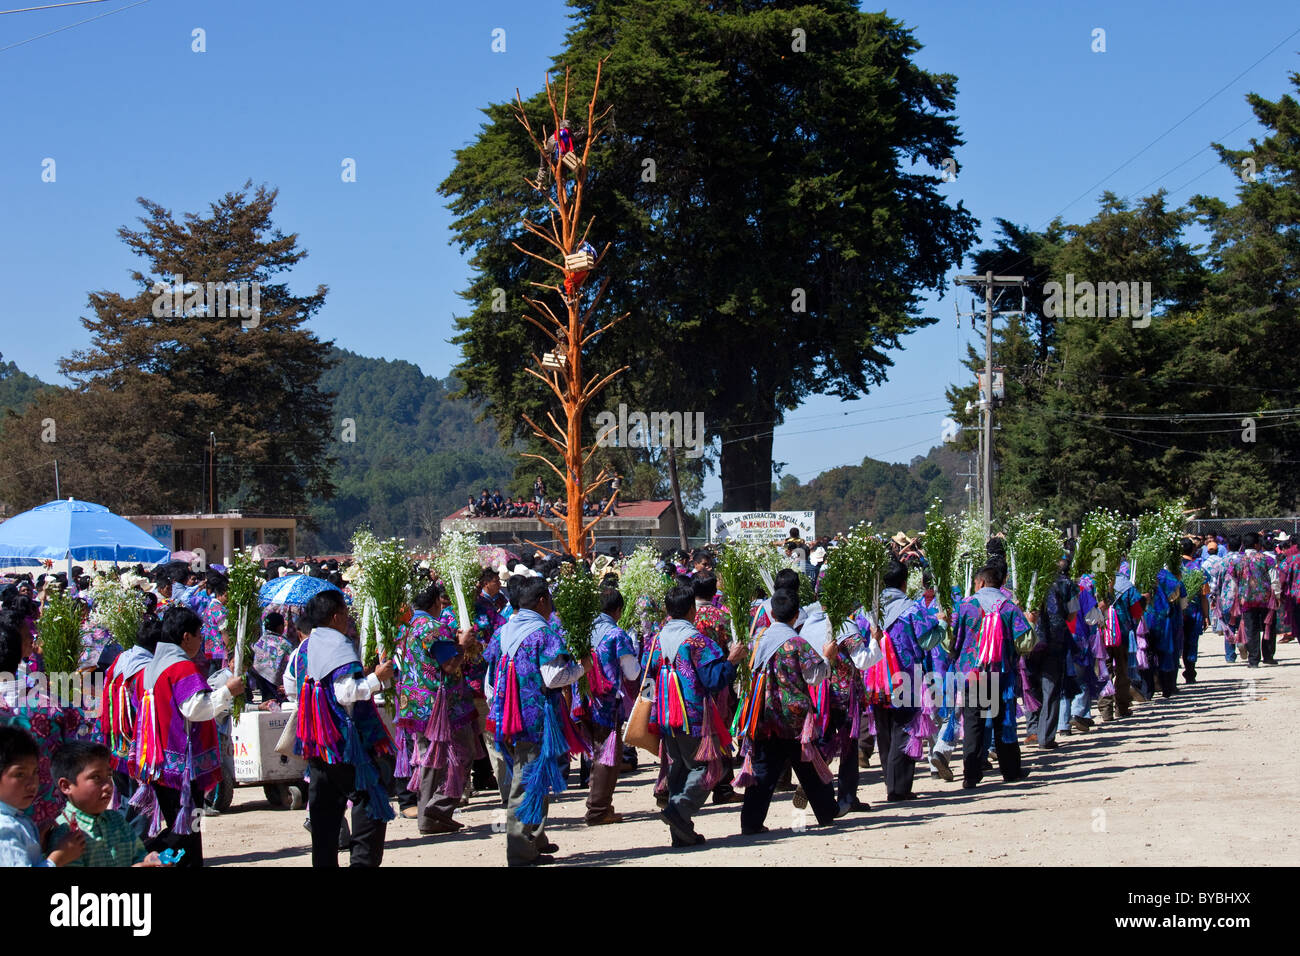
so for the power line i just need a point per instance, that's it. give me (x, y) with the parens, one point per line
(1204, 103)
(100, 16)
(51, 6)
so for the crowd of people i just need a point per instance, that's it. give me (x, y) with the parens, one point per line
(500, 708)
(494, 506)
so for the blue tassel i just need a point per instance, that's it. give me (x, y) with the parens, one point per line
(366, 777)
(543, 776)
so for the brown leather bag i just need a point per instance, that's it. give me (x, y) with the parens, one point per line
(638, 732)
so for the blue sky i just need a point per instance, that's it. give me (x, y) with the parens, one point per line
(286, 90)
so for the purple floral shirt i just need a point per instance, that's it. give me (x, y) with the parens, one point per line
(214, 621)
(611, 643)
(696, 653)
(422, 675)
(543, 646)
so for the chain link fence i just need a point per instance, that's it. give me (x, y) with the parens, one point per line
(1269, 528)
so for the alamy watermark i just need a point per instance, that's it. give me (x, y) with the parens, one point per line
(213, 299)
(622, 429)
(81, 690)
(1102, 300)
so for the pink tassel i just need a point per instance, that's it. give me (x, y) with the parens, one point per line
(708, 751)
(576, 736)
(400, 741)
(438, 733)
(922, 726)
(809, 733)
(661, 785)
(746, 776)
(457, 764)
(814, 757)
(871, 721)
(146, 801)
(714, 775)
(116, 803)
(913, 748)
(609, 756)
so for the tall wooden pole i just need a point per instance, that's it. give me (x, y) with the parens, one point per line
(570, 334)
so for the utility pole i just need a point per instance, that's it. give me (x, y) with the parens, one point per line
(971, 472)
(212, 467)
(57, 495)
(990, 282)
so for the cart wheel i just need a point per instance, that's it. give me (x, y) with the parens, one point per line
(223, 795)
(278, 796)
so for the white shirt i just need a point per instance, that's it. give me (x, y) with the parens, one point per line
(19, 845)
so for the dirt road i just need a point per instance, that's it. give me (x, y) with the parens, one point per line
(1200, 779)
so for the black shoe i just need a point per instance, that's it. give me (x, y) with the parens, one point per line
(1189, 677)
(683, 844)
(900, 797)
(969, 784)
(1087, 721)
(749, 831)
(1270, 662)
(1020, 776)
(548, 848)
(682, 829)
(1049, 745)
(858, 806)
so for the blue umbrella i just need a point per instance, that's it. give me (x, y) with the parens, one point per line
(293, 590)
(76, 531)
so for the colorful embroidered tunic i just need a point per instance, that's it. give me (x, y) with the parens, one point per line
(1252, 575)
(609, 645)
(711, 621)
(429, 643)
(270, 652)
(541, 645)
(50, 726)
(684, 679)
(976, 651)
(325, 727)
(789, 689)
(169, 749)
(214, 625)
(123, 685)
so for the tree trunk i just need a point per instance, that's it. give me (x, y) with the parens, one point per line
(747, 464)
(677, 497)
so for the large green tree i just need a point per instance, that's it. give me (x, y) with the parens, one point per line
(771, 191)
(157, 381)
(1194, 405)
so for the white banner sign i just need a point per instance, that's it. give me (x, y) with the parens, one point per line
(762, 527)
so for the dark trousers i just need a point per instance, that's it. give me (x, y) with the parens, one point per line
(169, 801)
(1051, 678)
(126, 788)
(977, 735)
(1253, 618)
(771, 758)
(600, 795)
(1192, 625)
(891, 739)
(846, 790)
(330, 788)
